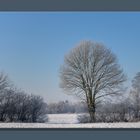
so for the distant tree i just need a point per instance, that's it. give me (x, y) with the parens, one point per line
(135, 94)
(4, 102)
(52, 108)
(4, 81)
(91, 72)
(4, 96)
(10, 102)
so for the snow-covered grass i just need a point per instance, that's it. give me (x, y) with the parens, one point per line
(88, 125)
(68, 121)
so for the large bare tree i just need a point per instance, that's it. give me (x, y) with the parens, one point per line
(91, 72)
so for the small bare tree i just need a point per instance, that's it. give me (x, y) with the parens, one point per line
(38, 109)
(91, 72)
(135, 95)
(4, 82)
(4, 85)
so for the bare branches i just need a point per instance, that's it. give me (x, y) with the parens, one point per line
(18, 106)
(91, 66)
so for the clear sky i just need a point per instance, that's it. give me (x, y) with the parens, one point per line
(33, 45)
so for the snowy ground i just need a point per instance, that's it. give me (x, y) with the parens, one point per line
(68, 121)
(63, 119)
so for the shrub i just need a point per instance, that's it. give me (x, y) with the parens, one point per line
(83, 118)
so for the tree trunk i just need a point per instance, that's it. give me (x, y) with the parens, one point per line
(91, 109)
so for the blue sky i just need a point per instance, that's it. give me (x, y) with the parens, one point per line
(33, 45)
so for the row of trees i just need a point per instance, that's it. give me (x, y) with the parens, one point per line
(127, 108)
(18, 106)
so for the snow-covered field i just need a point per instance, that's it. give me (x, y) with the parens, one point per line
(63, 119)
(68, 121)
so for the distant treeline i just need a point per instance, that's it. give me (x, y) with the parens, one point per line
(66, 107)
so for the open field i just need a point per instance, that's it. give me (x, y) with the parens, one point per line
(68, 121)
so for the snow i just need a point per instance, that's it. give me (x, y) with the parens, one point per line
(62, 118)
(68, 121)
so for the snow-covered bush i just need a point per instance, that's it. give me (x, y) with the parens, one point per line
(83, 118)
